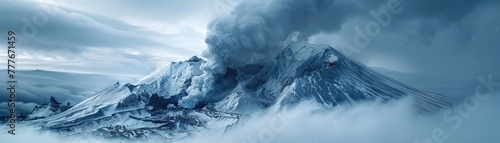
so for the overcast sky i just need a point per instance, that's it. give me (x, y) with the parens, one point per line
(130, 38)
(428, 38)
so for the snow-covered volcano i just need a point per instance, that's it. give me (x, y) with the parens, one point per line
(298, 73)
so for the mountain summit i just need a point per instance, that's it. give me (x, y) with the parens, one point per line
(298, 73)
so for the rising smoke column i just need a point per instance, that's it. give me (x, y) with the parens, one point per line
(255, 31)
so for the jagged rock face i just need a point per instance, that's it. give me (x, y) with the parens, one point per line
(53, 102)
(300, 72)
(47, 110)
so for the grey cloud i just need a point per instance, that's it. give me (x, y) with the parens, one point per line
(447, 11)
(21, 107)
(69, 30)
(450, 51)
(256, 29)
(69, 36)
(430, 16)
(154, 10)
(37, 86)
(422, 18)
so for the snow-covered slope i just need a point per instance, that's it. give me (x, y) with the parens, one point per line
(319, 72)
(300, 72)
(141, 110)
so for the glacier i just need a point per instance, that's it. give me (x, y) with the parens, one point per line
(300, 72)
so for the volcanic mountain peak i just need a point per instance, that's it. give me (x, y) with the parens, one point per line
(300, 72)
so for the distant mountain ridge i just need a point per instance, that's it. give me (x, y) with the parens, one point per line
(37, 86)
